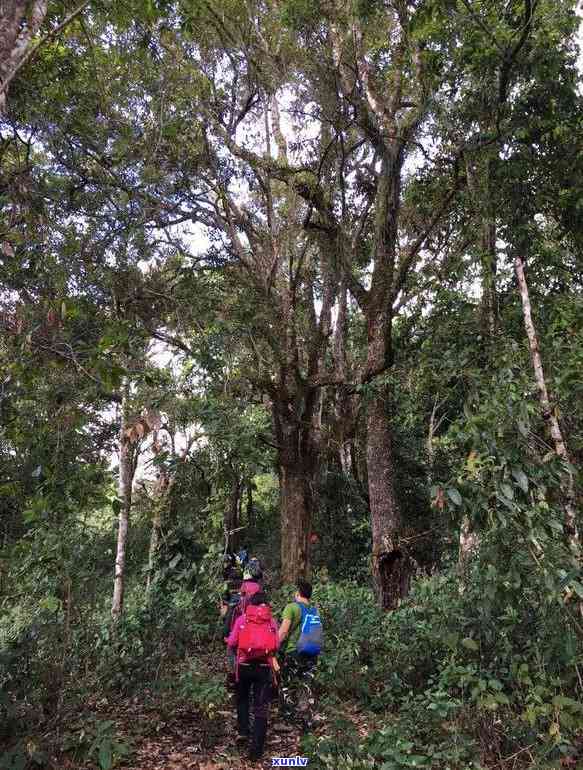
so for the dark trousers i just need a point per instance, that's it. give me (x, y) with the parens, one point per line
(254, 680)
(295, 666)
(297, 671)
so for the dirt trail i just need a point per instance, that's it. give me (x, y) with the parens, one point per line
(184, 740)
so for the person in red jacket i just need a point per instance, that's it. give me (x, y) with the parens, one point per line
(254, 640)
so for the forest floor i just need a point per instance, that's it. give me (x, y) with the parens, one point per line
(167, 734)
(185, 739)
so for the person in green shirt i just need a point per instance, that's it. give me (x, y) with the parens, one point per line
(289, 631)
(296, 668)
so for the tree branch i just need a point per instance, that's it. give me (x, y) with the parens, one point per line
(34, 49)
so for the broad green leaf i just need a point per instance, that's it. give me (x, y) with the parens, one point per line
(50, 603)
(454, 496)
(30, 515)
(470, 644)
(521, 479)
(105, 755)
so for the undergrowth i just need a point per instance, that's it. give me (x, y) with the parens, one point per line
(482, 674)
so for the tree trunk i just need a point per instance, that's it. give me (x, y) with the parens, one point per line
(548, 412)
(20, 22)
(391, 566)
(126, 477)
(296, 423)
(296, 522)
(390, 563)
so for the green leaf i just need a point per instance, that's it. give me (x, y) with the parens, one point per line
(50, 603)
(562, 700)
(105, 755)
(30, 515)
(507, 491)
(521, 479)
(454, 496)
(567, 721)
(470, 644)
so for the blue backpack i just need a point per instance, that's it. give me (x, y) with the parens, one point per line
(311, 632)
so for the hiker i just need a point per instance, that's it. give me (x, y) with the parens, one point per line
(243, 556)
(254, 640)
(253, 570)
(233, 607)
(300, 639)
(239, 601)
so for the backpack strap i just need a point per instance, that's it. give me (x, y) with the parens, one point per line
(304, 611)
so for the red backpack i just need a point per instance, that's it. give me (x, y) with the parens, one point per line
(257, 637)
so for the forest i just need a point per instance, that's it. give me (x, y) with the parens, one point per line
(304, 276)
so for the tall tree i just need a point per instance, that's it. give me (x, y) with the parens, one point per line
(379, 102)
